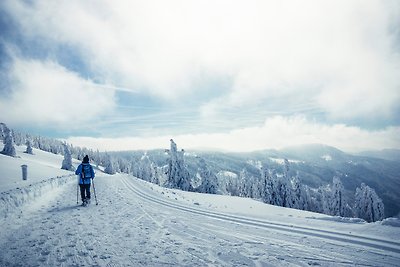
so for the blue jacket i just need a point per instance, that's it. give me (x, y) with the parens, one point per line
(85, 172)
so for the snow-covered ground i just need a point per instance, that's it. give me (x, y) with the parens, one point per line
(141, 224)
(41, 165)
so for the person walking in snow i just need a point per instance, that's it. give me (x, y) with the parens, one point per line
(86, 173)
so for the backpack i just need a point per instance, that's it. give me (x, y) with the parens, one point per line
(86, 171)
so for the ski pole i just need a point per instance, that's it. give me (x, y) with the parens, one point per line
(94, 191)
(77, 193)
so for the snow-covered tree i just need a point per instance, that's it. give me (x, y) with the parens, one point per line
(29, 147)
(178, 175)
(245, 189)
(284, 187)
(123, 165)
(146, 169)
(161, 175)
(267, 186)
(297, 197)
(134, 168)
(368, 205)
(326, 198)
(209, 181)
(3, 128)
(333, 199)
(18, 138)
(110, 168)
(67, 162)
(9, 149)
(338, 204)
(228, 183)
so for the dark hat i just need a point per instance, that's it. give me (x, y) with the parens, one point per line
(86, 159)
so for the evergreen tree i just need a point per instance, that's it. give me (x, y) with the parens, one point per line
(146, 171)
(29, 147)
(134, 168)
(284, 188)
(228, 183)
(8, 149)
(326, 199)
(178, 176)
(110, 168)
(314, 199)
(272, 194)
(368, 205)
(268, 190)
(123, 165)
(338, 203)
(333, 200)
(297, 198)
(244, 184)
(3, 128)
(209, 181)
(67, 162)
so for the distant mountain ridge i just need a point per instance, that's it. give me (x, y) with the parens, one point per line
(317, 164)
(386, 154)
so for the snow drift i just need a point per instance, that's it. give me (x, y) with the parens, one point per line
(12, 199)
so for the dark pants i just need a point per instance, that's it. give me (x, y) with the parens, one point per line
(85, 188)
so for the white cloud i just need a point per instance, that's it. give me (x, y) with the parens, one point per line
(337, 54)
(276, 132)
(47, 94)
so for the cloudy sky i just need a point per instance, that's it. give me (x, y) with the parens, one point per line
(226, 75)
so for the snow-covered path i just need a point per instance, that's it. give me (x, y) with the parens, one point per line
(134, 225)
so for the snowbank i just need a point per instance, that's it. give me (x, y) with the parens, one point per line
(44, 175)
(340, 219)
(395, 222)
(14, 198)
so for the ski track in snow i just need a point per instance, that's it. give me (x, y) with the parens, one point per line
(133, 226)
(328, 237)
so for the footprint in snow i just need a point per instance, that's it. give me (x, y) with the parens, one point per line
(83, 253)
(104, 257)
(62, 260)
(45, 252)
(42, 259)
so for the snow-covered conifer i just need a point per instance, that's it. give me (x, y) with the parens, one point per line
(209, 181)
(228, 183)
(110, 168)
(29, 147)
(284, 186)
(3, 128)
(368, 205)
(297, 198)
(123, 165)
(9, 149)
(338, 203)
(316, 199)
(17, 137)
(268, 190)
(244, 184)
(134, 168)
(146, 170)
(67, 162)
(326, 199)
(333, 199)
(178, 176)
